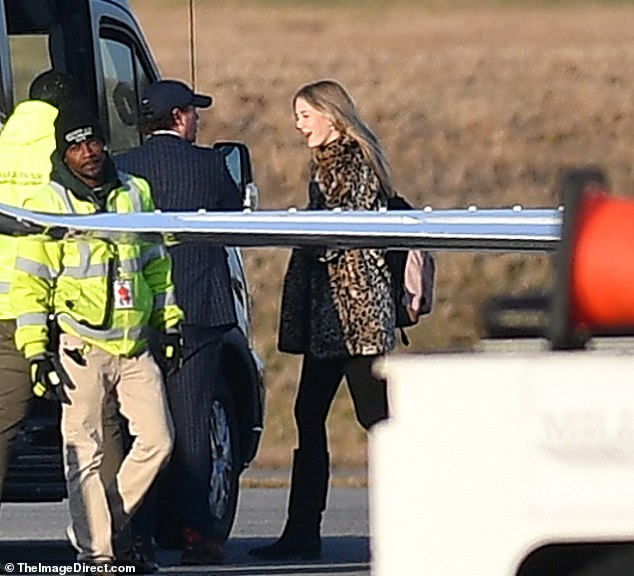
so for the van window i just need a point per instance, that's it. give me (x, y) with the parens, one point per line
(28, 27)
(124, 80)
(44, 35)
(29, 57)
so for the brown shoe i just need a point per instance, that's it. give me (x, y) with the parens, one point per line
(199, 550)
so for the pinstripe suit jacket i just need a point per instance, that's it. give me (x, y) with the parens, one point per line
(184, 177)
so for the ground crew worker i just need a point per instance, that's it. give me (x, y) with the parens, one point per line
(26, 143)
(105, 298)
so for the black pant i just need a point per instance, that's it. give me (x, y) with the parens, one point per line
(318, 384)
(190, 395)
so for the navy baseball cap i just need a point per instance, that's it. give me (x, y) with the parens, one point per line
(161, 97)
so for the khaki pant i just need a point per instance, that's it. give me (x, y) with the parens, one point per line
(99, 512)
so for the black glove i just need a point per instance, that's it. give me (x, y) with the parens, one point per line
(48, 377)
(171, 351)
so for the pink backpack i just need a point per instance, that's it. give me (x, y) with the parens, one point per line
(413, 276)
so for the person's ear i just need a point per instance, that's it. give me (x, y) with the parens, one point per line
(177, 117)
(179, 122)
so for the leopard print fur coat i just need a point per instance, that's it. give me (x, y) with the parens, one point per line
(338, 303)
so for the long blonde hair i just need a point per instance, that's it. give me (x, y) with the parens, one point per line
(331, 99)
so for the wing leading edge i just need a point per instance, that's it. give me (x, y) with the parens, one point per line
(502, 230)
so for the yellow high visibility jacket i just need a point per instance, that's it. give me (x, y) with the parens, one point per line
(109, 294)
(26, 144)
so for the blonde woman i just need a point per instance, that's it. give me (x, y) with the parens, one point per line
(337, 308)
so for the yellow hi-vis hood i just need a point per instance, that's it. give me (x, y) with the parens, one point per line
(26, 144)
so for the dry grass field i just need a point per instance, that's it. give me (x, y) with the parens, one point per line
(475, 103)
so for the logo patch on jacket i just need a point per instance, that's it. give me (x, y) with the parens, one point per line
(123, 299)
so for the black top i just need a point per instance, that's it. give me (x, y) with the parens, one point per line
(186, 177)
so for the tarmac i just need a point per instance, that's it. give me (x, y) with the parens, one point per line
(257, 477)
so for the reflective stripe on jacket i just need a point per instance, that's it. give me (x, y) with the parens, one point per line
(75, 279)
(26, 144)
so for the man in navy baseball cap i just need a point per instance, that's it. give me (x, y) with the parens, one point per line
(162, 97)
(185, 176)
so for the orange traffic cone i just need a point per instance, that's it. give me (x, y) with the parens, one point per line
(594, 291)
(603, 264)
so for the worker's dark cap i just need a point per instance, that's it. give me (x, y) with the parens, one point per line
(54, 87)
(162, 97)
(75, 124)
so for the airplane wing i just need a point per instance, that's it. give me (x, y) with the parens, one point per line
(512, 229)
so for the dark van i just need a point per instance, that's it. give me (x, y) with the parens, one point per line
(100, 44)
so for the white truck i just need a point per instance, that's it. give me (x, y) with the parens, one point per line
(510, 460)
